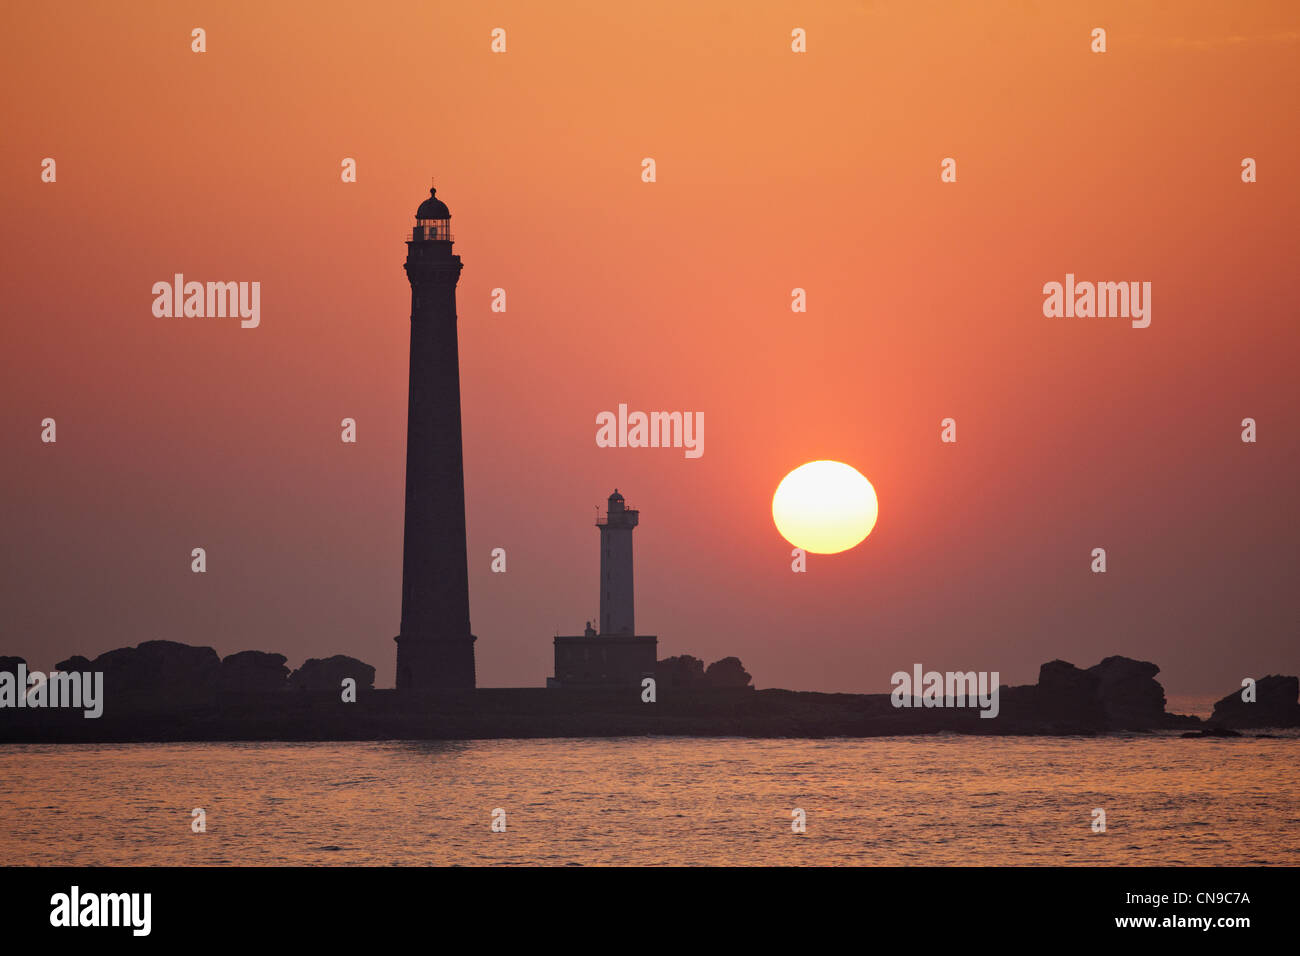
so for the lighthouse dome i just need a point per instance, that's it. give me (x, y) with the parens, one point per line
(433, 208)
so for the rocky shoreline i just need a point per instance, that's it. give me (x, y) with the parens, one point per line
(162, 691)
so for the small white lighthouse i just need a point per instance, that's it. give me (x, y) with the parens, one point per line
(616, 614)
(615, 655)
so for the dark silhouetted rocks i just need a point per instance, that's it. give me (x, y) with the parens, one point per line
(154, 675)
(1274, 705)
(1068, 695)
(254, 672)
(685, 672)
(1117, 694)
(162, 690)
(319, 675)
(728, 672)
(74, 663)
(1131, 697)
(11, 664)
(681, 671)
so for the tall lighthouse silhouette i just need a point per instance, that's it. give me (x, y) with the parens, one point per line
(435, 649)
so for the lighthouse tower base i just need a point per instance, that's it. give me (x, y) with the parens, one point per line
(425, 664)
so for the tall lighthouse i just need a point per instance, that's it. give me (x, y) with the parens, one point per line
(435, 649)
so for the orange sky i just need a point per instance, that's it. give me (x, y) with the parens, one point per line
(775, 170)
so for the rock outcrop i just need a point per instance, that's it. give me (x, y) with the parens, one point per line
(154, 674)
(74, 663)
(328, 674)
(1274, 705)
(1131, 698)
(728, 672)
(254, 672)
(681, 671)
(1068, 695)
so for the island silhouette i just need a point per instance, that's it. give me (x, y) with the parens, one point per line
(168, 691)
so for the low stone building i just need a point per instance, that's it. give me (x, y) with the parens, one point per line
(592, 659)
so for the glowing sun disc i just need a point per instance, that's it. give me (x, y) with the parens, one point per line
(824, 507)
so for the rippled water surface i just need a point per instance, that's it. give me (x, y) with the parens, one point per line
(648, 800)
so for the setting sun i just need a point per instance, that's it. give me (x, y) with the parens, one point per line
(824, 507)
